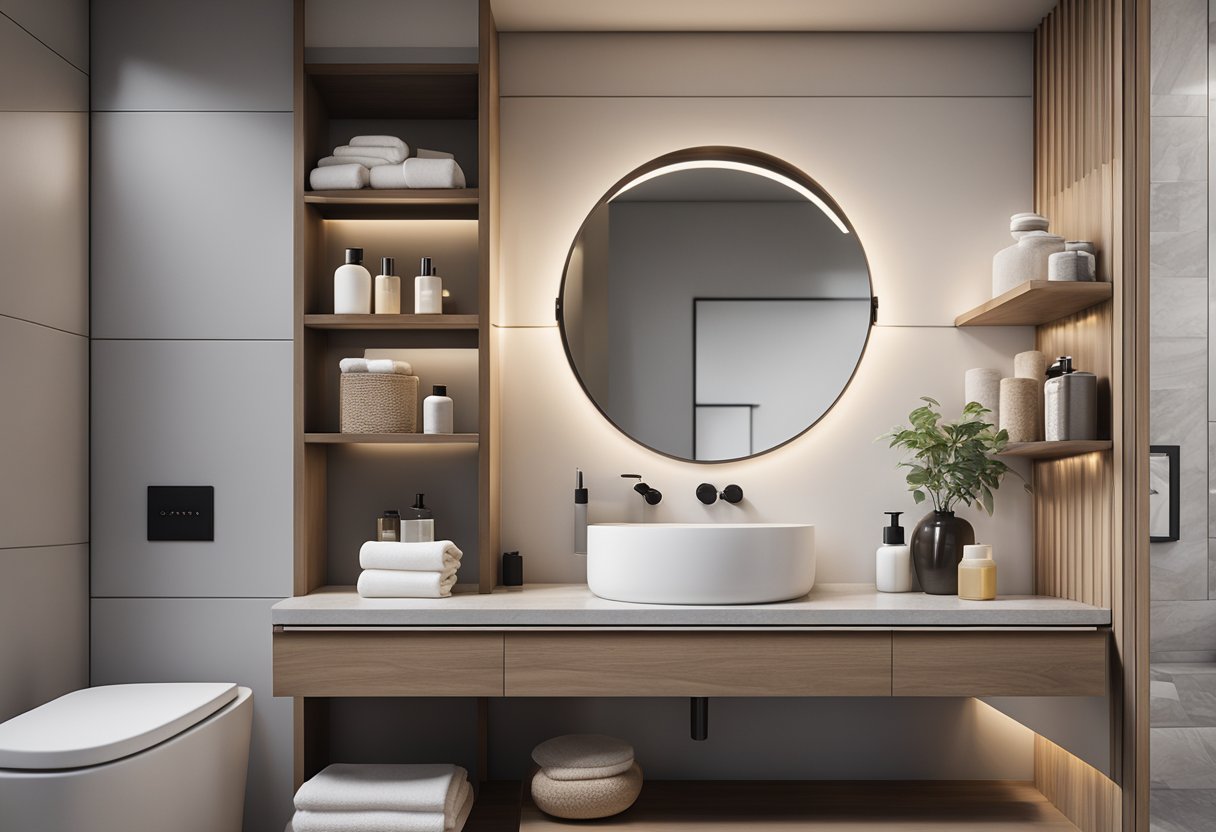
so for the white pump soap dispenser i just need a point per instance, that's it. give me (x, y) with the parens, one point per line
(428, 290)
(893, 571)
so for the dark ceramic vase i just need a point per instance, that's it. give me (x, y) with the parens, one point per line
(937, 549)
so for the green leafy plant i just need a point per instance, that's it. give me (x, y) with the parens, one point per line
(952, 462)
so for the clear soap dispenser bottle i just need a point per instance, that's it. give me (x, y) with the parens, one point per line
(893, 569)
(420, 525)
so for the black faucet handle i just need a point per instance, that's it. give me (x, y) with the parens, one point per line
(652, 496)
(707, 493)
(732, 494)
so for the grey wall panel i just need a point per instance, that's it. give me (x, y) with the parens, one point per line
(185, 640)
(44, 434)
(44, 219)
(193, 413)
(44, 616)
(63, 25)
(219, 55)
(192, 225)
(34, 78)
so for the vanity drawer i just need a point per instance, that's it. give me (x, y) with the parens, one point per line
(387, 664)
(999, 664)
(698, 664)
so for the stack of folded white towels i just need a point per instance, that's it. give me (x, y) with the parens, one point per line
(384, 798)
(408, 570)
(385, 162)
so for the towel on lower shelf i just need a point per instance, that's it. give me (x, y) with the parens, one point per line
(437, 556)
(387, 176)
(436, 787)
(433, 173)
(380, 141)
(393, 583)
(366, 161)
(308, 821)
(388, 154)
(375, 365)
(338, 178)
(423, 153)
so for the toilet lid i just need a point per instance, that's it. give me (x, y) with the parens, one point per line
(96, 725)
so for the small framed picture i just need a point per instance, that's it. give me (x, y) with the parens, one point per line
(1163, 514)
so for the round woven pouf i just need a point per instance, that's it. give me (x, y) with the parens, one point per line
(583, 757)
(587, 799)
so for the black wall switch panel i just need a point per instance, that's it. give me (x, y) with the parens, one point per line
(181, 512)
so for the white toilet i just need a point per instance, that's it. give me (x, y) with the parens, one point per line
(128, 758)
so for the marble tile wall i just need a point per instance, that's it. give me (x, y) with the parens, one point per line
(1183, 412)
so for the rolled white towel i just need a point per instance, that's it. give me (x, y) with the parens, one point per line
(388, 176)
(346, 787)
(434, 556)
(388, 154)
(338, 178)
(388, 365)
(366, 161)
(307, 821)
(423, 153)
(391, 583)
(380, 141)
(433, 173)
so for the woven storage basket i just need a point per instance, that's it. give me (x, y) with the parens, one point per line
(379, 403)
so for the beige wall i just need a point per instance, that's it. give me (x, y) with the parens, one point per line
(44, 352)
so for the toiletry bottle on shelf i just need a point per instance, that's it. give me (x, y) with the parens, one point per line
(388, 289)
(419, 523)
(352, 286)
(1070, 402)
(437, 411)
(388, 526)
(513, 571)
(580, 514)
(428, 290)
(893, 569)
(977, 574)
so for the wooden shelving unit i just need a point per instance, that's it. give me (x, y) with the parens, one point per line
(374, 323)
(446, 204)
(1056, 450)
(391, 438)
(1036, 302)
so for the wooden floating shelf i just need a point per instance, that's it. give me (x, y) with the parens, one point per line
(396, 90)
(392, 322)
(1036, 302)
(391, 438)
(436, 203)
(1056, 450)
(826, 806)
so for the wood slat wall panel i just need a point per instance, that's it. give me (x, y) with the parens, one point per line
(1091, 167)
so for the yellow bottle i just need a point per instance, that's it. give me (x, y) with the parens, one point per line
(977, 574)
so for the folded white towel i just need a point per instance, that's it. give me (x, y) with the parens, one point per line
(437, 556)
(345, 787)
(391, 583)
(375, 365)
(423, 153)
(380, 141)
(388, 176)
(366, 161)
(433, 173)
(308, 821)
(338, 178)
(388, 154)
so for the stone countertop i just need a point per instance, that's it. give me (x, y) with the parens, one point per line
(573, 606)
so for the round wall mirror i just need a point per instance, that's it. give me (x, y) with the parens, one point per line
(715, 304)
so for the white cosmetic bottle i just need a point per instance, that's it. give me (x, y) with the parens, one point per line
(437, 411)
(388, 289)
(893, 571)
(428, 290)
(352, 286)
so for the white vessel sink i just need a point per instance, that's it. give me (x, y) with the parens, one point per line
(700, 563)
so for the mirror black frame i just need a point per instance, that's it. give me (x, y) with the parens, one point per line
(716, 153)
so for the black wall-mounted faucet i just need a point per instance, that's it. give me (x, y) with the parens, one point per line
(652, 496)
(709, 495)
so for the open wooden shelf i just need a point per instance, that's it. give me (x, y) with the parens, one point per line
(392, 322)
(392, 91)
(496, 808)
(825, 806)
(1036, 302)
(1056, 450)
(391, 438)
(419, 203)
